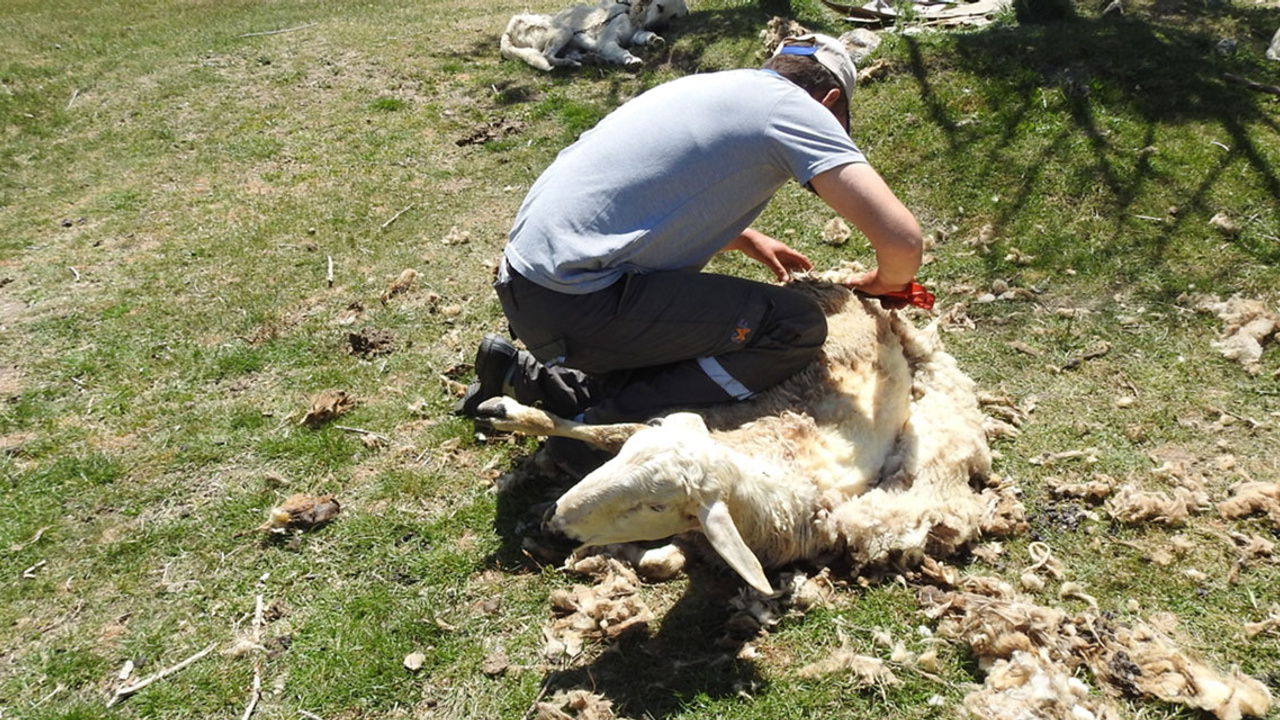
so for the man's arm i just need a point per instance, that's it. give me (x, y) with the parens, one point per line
(773, 254)
(860, 195)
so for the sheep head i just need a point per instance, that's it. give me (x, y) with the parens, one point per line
(657, 14)
(667, 479)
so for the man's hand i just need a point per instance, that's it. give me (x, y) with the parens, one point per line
(891, 296)
(774, 254)
(869, 283)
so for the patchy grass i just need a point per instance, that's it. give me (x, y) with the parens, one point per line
(175, 186)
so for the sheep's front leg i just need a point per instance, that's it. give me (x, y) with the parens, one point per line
(504, 413)
(645, 38)
(612, 52)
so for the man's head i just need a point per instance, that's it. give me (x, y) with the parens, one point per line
(819, 64)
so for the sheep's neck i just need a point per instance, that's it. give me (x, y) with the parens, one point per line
(773, 513)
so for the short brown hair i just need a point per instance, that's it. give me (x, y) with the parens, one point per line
(813, 78)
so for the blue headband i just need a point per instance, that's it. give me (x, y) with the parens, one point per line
(798, 50)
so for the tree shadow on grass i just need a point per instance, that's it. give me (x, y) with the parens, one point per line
(1164, 76)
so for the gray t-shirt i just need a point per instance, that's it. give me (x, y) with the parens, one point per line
(670, 178)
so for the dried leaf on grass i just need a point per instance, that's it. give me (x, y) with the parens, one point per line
(414, 661)
(328, 405)
(401, 284)
(302, 512)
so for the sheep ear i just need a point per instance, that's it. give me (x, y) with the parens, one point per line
(718, 526)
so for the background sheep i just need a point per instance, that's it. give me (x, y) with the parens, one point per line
(868, 454)
(583, 32)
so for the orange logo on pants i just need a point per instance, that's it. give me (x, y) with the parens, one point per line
(741, 332)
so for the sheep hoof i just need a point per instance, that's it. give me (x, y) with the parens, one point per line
(493, 409)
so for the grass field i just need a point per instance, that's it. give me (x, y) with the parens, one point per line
(198, 212)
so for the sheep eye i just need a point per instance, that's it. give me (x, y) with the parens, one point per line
(657, 508)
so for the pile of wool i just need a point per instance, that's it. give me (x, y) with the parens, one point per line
(1092, 491)
(576, 705)
(1131, 505)
(1250, 498)
(1029, 685)
(1003, 513)
(863, 669)
(776, 30)
(996, 622)
(1247, 324)
(1141, 658)
(606, 610)
(754, 613)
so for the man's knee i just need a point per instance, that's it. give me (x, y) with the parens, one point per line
(798, 323)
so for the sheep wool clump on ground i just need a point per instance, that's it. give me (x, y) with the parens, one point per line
(1029, 685)
(1131, 505)
(1247, 326)
(608, 609)
(576, 705)
(1250, 498)
(1123, 659)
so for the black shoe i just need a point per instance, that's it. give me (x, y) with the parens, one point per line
(495, 365)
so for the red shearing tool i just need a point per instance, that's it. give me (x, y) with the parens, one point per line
(915, 294)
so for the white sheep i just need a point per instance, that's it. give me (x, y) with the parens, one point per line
(867, 454)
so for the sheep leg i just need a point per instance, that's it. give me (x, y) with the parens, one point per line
(504, 413)
(645, 38)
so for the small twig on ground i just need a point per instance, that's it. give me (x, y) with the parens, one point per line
(256, 693)
(276, 32)
(71, 614)
(362, 431)
(329, 275)
(74, 94)
(533, 706)
(75, 272)
(311, 715)
(135, 687)
(22, 546)
(397, 216)
(1096, 351)
(1224, 147)
(48, 697)
(1252, 85)
(30, 573)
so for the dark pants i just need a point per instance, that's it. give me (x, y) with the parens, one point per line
(654, 342)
